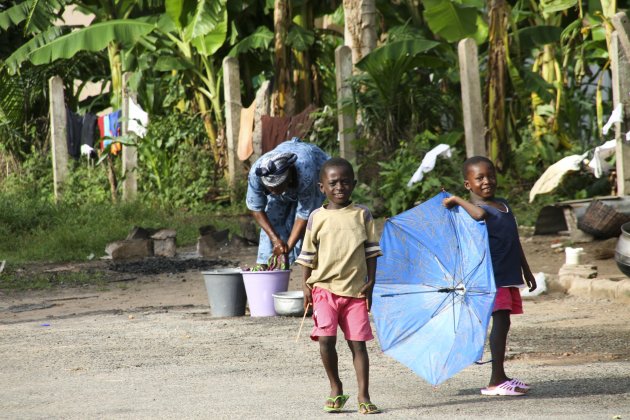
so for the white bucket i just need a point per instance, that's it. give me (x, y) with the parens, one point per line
(573, 255)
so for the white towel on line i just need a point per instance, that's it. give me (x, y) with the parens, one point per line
(598, 165)
(615, 117)
(428, 162)
(551, 178)
(138, 119)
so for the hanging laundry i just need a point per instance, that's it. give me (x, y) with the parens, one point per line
(101, 125)
(88, 131)
(110, 127)
(615, 117)
(554, 174)
(246, 133)
(301, 123)
(87, 150)
(114, 123)
(276, 130)
(106, 133)
(74, 124)
(428, 162)
(115, 148)
(107, 126)
(598, 165)
(138, 119)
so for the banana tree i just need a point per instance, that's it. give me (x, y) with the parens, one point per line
(112, 29)
(546, 115)
(452, 20)
(497, 139)
(189, 35)
(385, 107)
(564, 51)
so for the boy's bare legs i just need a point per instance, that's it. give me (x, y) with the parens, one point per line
(361, 362)
(498, 342)
(328, 352)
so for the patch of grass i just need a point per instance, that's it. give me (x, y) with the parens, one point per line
(36, 230)
(15, 280)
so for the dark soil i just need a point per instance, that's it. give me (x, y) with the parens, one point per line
(159, 265)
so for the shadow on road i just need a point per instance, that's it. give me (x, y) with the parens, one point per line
(571, 388)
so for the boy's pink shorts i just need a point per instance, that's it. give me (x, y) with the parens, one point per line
(330, 310)
(508, 298)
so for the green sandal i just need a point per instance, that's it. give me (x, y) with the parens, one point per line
(340, 399)
(368, 408)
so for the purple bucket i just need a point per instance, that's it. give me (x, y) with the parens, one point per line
(260, 287)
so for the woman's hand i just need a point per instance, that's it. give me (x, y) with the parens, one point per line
(279, 247)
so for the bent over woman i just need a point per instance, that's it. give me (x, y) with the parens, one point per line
(282, 192)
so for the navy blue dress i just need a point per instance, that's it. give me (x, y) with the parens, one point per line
(505, 247)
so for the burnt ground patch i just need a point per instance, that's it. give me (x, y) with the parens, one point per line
(159, 265)
(39, 276)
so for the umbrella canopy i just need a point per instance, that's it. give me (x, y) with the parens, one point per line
(434, 289)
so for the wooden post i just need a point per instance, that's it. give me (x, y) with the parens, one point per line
(58, 134)
(360, 26)
(129, 153)
(474, 126)
(622, 26)
(345, 111)
(263, 107)
(233, 106)
(621, 89)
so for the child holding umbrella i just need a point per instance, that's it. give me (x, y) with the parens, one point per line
(508, 263)
(339, 257)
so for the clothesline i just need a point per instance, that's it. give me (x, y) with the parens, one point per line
(81, 130)
(598, 165)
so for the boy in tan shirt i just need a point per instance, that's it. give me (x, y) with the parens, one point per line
(339, 257)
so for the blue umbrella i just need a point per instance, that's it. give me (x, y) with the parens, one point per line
(434, 289)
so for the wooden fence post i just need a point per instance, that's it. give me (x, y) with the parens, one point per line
(58, 134)
(263, 107)
(474, 126)
(621, 88)
(233, 106)
(622, 26)
(345, 112)
(129, 153)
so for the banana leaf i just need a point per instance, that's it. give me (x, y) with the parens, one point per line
(537, 36)
(46, 49)
(450, 20)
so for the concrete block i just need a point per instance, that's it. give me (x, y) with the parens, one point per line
(164, 247)
(555, 285)
(206, 246)
(138, 232)
(164, 234)
(580, 286)
(623, 291)
(585, 271)
(130, 249)
(604, 289)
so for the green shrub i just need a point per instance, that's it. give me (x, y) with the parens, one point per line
(176, 167)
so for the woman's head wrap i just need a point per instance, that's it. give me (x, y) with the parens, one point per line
(274, 168)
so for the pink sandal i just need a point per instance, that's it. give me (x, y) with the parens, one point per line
(506, 388)
(520, 384)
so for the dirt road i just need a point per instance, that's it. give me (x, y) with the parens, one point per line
(148, 348)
